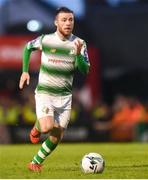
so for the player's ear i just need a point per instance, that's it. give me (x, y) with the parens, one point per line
(55, 22)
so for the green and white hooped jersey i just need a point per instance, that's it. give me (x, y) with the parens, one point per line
(58, 61)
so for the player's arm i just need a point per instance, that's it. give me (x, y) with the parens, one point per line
(29, 47)
(82, 60)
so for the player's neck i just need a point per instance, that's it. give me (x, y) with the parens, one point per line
(62, 37)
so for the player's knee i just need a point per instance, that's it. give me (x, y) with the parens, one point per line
(57, 134)
(46, 124)
(45, 128)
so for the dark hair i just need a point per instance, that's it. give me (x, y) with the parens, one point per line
(63, 9)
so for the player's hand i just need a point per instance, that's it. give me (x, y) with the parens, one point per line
(78, 43)
(25, 77)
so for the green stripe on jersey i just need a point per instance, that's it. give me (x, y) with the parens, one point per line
(56, 72)
(63, 91)
(56, 50)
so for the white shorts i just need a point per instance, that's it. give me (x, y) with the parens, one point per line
(59, 107)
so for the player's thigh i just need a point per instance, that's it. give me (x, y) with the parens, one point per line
(44, 106)
(44, 112)
(46, 123)
(62, 117)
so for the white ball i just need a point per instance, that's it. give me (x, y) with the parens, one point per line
(92, 163)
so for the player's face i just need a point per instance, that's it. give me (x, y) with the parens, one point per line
(65, 23)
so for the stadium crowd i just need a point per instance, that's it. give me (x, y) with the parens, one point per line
(126, 119)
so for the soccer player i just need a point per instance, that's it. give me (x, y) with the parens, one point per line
(62, 53)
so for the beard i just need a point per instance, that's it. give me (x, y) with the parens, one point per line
(65, 32)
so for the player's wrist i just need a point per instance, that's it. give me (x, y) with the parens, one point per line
(25, 72)
(79, 55)
(25, 69)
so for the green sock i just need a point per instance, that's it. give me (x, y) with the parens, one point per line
(37, 125)
(46, 149)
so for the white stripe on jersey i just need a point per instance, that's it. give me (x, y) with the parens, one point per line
(53, 81)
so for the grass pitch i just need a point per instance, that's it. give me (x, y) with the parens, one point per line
(123, 161)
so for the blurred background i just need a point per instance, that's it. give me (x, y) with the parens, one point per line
(111, 103)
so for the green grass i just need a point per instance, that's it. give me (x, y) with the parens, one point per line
(123, 160)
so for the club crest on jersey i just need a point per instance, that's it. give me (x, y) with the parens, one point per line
(72, 52)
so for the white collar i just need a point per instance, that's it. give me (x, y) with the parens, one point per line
(65, 39)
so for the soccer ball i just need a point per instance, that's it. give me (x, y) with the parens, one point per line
(92, 163)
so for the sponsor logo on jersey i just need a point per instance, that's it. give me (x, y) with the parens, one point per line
(57, 61)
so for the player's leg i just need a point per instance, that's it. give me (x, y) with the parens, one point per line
(44, 123)
(62, 119)
(35, 133)
(47, 147)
